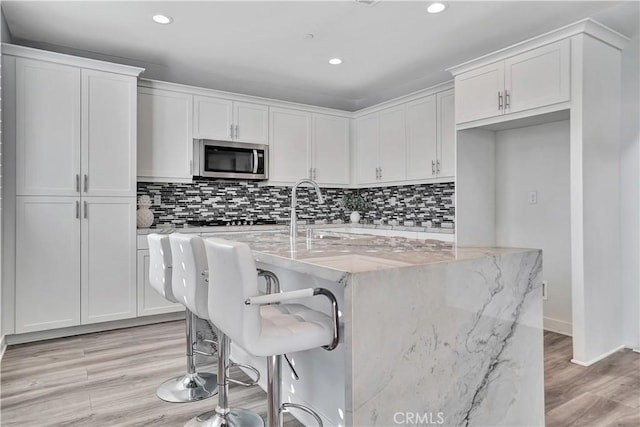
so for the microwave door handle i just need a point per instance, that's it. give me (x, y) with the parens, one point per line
(255, 161)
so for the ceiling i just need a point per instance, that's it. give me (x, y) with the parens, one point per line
(389, 49)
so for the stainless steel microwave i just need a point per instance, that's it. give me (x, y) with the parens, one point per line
(231, 160)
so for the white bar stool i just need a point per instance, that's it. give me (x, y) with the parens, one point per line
(190, 265)
(261, 325)
(192, 386)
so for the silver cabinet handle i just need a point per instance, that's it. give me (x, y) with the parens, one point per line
(230, 131)
(78, 182)
(438, 166)
(237, 134)
(314, 173)
(499, 100)
(86, 182)
(86, 215)
(433, 167)
(507, 99)
(77, 209)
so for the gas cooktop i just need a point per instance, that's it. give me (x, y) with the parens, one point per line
(218, 222)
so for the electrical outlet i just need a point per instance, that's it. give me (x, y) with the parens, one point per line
(545, 291)
(157, 200)
(533, 197)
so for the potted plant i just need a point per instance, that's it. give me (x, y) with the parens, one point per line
(356, 203)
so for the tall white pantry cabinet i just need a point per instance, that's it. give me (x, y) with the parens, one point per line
(70, 125)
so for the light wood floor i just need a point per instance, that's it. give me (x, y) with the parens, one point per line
(109, 379)
(606, 393)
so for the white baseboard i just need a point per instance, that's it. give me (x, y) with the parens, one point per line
(558, 326)
(95, 327)
(3, 346)
(599, 358)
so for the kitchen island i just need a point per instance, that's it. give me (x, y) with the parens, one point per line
(432, 333)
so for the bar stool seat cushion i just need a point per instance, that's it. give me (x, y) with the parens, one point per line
(287, 328)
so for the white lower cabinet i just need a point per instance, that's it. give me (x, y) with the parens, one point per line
(108, 260)
(151, 302)
(75, 261)
(47, 263)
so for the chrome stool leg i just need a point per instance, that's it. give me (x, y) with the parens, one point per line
(223, 415)
(275, 407)
(193, 385)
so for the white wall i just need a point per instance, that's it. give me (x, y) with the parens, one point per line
(536, 158)
(630, 192)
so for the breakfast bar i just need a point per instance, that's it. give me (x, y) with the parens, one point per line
(431, 333)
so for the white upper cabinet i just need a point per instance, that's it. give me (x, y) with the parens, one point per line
(421, 138)
(108, 259)
(367, 141)
(222, 119)
(75, 130)
(414, 141)
(392, 150)
(108, 134)
(538, 77)
(47, 128)
(165, 142)
(480, 93)
(289, 148)
(251, 123)
(445, 166)
(212, 118)
(533, 79)
(330, 149)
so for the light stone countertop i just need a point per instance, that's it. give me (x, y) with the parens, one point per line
(330, 255)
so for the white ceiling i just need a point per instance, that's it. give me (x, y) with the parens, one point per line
(389, 49)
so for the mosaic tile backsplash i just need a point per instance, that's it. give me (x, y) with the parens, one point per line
(424, 205)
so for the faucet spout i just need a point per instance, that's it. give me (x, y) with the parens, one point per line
(293, 229)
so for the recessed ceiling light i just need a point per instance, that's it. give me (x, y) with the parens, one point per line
(162, 19)
(436, 7)
(335, 61)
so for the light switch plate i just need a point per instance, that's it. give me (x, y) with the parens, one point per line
(157, 200)
(533, 197)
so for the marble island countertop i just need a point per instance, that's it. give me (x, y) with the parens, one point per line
(326, 252)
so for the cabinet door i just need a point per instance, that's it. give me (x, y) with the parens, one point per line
(151, 302)
(47, 263)
(212, 118)
(47, 128)
(108, 261)
(539, 77)
(477, 93)
(393, 148)
(289, 148)
(421, 138)
(330, 149)
(165, 143)
(108, 134)
(252, 121)
(446, 134)
(367, 141)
